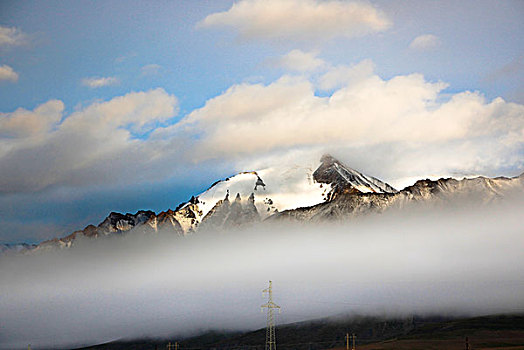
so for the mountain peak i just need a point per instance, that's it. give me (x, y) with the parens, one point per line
(344, 179)
(328, 159)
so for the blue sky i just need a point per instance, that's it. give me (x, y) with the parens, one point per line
(142, 104)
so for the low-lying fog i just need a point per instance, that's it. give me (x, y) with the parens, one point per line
(426, 262)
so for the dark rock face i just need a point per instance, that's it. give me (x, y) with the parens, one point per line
(346, 180)
(428, 193)
(117, 222)
(259, 183)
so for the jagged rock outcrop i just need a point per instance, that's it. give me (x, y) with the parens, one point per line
(249, 210)
(226, 215)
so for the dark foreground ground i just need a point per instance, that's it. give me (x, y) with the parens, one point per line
(488, 332)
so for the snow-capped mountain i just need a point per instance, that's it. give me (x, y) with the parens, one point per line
(327, 190)
(278, 189)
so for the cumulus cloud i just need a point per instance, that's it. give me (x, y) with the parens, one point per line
(299, 19)
(297, 60)
(342, 75)
(11, 36)
(425, 42)
(393, 128)
(406, 116)
(97, 82)
(7, 73)
(96, 144)
(23, 123)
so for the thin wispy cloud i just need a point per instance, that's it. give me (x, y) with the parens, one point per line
(8, 74)
(12, 36)
(425, 42)
(511, 69)
(299, 19)
(98, 82)
(151, 70)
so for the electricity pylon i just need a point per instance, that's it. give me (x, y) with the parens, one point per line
(350, 337)
(271, 342)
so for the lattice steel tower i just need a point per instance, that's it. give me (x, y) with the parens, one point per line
(271, 343)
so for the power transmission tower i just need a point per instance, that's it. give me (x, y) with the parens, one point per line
(271, 342)
(350, 337)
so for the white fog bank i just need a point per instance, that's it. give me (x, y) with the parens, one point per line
(440, 262)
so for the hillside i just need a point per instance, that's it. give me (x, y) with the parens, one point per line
(410, 333)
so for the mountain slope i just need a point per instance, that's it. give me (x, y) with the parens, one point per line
(413, 332)
(328, 191)
(449, 193)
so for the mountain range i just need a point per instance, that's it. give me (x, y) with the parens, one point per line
(331, 191)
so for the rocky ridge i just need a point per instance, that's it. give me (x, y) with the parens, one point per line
(332, 191)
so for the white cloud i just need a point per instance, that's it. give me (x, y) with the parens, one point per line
(7, 73)
(405, 124)
(151, 69)
(301, 61)
(299, 19)
(390, 128)
(99, 144)
(425, 42)
(97, 82)
(343, 75)
(23, 123)
(11, 36)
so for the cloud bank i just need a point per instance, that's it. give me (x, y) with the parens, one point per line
(94, 145)
(443, 262)
(299, 19)
(410, 126)
(432, 131)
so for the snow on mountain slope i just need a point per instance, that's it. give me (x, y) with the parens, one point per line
(274, 189)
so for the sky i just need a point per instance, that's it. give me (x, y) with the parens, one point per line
(126, 105)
